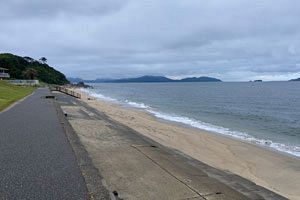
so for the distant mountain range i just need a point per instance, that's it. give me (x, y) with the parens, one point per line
(297, 79)
(146, 79)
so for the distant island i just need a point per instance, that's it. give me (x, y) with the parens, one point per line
(297, 79)
(146, 79)
(28, 68)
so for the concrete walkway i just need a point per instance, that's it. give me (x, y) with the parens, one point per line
(135, 167)
(36, 159)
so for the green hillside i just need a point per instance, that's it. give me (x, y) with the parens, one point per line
(18, 67)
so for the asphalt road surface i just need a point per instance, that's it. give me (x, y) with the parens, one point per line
(36, 159)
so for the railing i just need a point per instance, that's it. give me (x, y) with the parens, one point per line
(68, 92)
(4, 75)
(24, 82)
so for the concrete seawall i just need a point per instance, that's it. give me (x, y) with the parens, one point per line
(135, 167)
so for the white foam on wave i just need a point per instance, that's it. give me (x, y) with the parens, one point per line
(98, 95)
(289, 149)
(137, 105)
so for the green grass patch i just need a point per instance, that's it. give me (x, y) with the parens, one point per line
(10, 93)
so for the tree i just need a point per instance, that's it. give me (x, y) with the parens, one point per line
(17, 65)
(43, 60)
(28, 59)
(30, 73)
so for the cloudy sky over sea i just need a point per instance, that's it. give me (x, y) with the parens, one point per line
(233, 40)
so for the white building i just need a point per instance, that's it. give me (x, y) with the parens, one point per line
(3, 73)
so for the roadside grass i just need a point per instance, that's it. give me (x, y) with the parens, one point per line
(11, 93)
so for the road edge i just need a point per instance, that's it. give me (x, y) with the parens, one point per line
(95, 183)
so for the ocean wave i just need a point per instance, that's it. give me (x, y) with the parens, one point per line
(137, 105)
(98, 95)
(289, 149)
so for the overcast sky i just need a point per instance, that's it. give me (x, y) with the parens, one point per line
(229, 39)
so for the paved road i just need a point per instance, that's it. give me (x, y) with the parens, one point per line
(36, 159)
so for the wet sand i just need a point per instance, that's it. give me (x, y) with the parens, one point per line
(272, 170)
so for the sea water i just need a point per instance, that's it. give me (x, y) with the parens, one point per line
(263, 113)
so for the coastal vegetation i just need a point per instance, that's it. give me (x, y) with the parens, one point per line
(10, 93)
(297, 79)
(29, 68)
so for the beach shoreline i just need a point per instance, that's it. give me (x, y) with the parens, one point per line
(273, 170)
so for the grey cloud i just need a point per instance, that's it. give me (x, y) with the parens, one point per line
(232, 40)
(52, 8)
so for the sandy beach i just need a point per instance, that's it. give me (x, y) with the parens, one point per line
(272, 170)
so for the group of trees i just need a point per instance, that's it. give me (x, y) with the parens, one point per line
(32, 73)
(29, 68)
